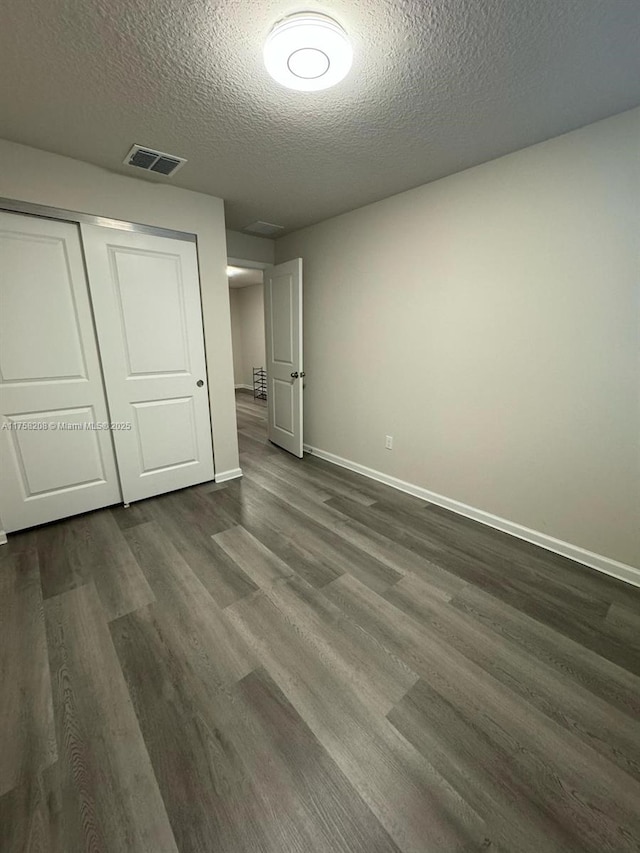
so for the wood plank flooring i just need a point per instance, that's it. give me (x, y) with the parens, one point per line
(306, 661)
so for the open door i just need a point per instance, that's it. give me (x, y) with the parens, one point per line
(283, 327)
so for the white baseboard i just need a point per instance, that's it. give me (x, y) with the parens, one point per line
(244, 387)
(621, 571)
(3, 537)
(223, 476)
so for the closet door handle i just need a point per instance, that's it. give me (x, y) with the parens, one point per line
(295, 375)
(200, 383)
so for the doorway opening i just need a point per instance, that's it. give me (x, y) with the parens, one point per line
(246, 302)
(268, 354)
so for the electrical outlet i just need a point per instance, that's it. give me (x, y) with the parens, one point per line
(388, 442)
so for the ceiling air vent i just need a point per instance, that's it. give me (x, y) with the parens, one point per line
(153, 161)
(265, 229)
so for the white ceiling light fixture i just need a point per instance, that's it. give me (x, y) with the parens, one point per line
(308, 52)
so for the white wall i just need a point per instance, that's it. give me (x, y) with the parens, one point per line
(36, 176)
(247, 247)
(247, 329)
(253, 329)
(236, 335)
(489, 322)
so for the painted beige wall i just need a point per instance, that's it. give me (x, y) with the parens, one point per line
(247, 329)
(236, 335)
(489, 322)
(37, 176)
(253, 329)
(247, 247)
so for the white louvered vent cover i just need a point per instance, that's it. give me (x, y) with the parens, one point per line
(153, 161)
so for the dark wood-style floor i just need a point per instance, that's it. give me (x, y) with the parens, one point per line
(304, 661)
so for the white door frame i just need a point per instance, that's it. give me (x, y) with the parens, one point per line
(250, 265)
(31, 209)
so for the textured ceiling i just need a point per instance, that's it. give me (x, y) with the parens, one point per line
(435, 87)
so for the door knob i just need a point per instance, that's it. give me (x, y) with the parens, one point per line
(302, 373)
(295, 375)
(200, 383)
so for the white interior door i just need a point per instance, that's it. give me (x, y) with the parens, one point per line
(146, 297)
(56, 453)
(283, 327)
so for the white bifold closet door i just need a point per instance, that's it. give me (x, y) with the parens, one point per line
(54, 461)
(146, 300)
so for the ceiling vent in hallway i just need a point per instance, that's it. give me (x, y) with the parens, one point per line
(153, 161)
(264, 229)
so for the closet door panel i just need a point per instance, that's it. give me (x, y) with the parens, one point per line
(56, 453)
(146, 296)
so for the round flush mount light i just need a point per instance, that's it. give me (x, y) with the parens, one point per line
(308, 51)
